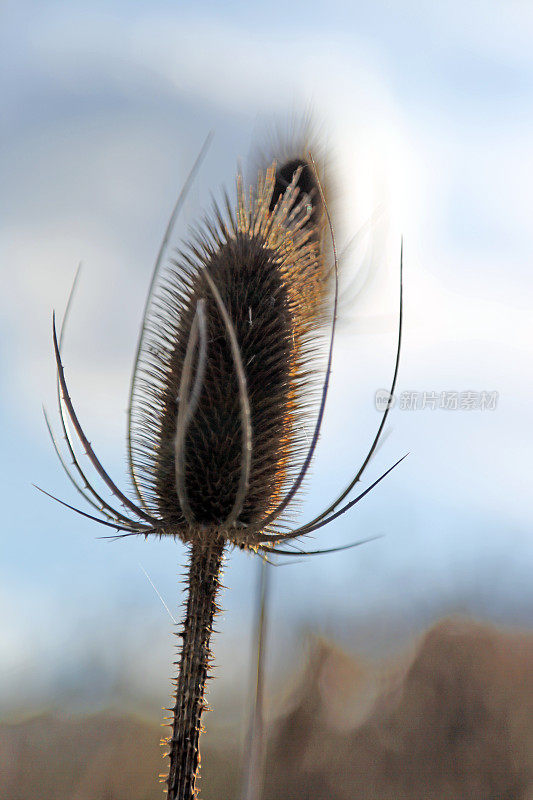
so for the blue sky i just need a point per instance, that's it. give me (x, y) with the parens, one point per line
(427, 111)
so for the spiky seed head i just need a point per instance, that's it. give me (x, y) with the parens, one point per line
(265, 261)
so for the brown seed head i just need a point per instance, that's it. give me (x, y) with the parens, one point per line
(229, 363)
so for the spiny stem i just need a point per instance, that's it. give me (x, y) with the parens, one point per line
(203, 581)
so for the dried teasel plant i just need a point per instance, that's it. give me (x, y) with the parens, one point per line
(227, 371)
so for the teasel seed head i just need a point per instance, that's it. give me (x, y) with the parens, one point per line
(227, 374)
(229, 367)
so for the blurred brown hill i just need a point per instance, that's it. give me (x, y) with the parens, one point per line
(100, 757)
(453, 720)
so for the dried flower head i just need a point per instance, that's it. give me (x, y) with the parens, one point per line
(226, 373)
(227, 365)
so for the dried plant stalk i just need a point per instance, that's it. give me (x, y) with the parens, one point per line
(203, 586)
(225, 378)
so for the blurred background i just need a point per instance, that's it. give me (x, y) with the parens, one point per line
(425, 111)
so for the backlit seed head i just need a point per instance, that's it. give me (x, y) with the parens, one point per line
(208, 456)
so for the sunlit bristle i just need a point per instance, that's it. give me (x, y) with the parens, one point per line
(307, 186)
